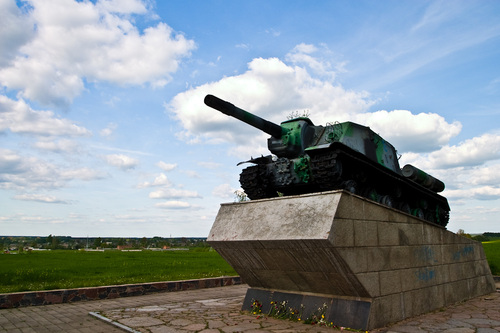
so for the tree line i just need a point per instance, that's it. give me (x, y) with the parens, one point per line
(53, 242)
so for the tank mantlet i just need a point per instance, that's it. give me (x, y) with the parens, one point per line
(297, 134)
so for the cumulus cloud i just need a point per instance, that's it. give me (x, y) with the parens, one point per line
(160, 180)
(15, 30)
(272, 90)
(19, 117)
(406, 131)
(57, 146)
(72, 41)
(173, 205)
(478, 193)
(121, 161)
(224, 191)
(172, 193)
(166, 166)
(40, 198)
(108, 131)
(471, 152)
(26, 173)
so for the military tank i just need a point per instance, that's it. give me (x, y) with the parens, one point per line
(307, 158)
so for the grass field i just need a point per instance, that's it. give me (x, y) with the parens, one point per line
(64, 269)
(492, 252)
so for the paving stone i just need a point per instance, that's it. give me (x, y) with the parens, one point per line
(155, 312)
(140, 321)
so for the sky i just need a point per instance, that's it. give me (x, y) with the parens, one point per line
(103, 129)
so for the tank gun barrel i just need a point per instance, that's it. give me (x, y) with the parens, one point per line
(229, 109)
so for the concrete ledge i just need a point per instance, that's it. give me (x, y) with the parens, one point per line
(22, 299)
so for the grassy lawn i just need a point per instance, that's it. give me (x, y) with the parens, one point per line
(65, 269)
(492, 251)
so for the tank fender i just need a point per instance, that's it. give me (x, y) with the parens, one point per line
(316, 149)
(259, 160)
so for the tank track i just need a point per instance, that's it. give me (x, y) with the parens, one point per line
(350, 170)
(254, 181)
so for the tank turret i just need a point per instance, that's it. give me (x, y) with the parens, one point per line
(307, 158)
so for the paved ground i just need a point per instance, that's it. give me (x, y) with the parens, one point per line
(217, 310)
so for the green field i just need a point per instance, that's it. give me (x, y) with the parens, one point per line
(64, 269)
(492, 251)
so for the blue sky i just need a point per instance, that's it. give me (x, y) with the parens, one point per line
(103, 129)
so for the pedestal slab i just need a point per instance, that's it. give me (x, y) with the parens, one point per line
(370, 264)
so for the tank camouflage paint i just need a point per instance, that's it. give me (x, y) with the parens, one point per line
(307, 158)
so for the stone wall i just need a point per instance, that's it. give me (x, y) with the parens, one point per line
(97, 293)
(376, 261)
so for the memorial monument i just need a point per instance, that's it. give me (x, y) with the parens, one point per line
(350, 231)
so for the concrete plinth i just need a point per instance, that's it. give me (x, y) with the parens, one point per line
(370, 264)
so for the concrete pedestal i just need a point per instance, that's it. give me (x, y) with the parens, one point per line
(371, 265)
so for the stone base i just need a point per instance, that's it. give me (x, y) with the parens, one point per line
(372, 265)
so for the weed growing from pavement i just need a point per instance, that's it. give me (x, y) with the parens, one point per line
(281, 310)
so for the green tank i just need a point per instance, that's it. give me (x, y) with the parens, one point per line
(307, 158)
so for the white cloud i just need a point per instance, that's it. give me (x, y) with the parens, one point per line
(39, 198)
(57, 146)
(173, 205)
(224, 191)
(108, 131)
(27, 173)
(270, 89)
(15, 30)
(160, 180)
(422, 132)
(19, 117)
(479, 193)
(172, 193)
(471, 152)
(121, 161)
(73, 41)
(122, 6)
(166, 166)
(485, 175)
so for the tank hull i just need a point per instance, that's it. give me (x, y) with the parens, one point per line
(340, 167)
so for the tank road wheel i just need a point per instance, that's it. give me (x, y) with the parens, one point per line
(418, 212)
(255, 183)
(350, 185)
(370, 193)
(387, 200)
(404, 207)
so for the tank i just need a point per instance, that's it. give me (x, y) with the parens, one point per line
(306, 158)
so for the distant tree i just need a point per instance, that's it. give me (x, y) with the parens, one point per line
(55, 243)
(480, 238)
(98, 242)
(461, 232)
(144, 242)
(49, 240)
